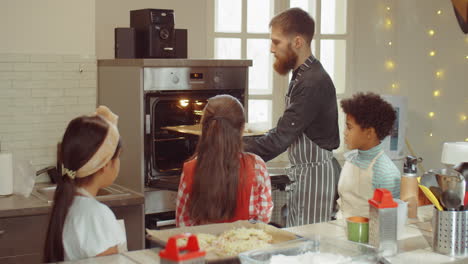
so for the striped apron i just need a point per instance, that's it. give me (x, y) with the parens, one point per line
(315, 173)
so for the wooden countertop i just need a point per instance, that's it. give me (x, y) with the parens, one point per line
(17, 205)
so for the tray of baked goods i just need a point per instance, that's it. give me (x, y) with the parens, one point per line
(223, 242)
(249, 130)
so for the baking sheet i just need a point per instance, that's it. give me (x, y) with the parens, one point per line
(160, 237)
(196, 130)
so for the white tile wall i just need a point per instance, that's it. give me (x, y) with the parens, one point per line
(39, 95)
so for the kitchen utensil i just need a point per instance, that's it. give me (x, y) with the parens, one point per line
(452, 181)
(436, 191)
(383, 212)
(189, 254)
(431, 197)
(449, 233)
(428, 179)
(450, 200)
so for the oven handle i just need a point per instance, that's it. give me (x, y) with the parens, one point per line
(165, 223)
(148, 124)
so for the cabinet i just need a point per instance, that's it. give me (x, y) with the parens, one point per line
(22, 238)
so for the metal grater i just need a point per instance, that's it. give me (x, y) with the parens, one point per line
(383, 222)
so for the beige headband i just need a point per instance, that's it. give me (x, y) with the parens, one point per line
(106, 151)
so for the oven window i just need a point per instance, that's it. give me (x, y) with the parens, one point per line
(172, 149)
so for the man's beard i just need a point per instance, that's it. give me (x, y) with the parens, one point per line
(286, 63)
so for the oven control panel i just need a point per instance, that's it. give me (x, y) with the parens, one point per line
(194, 78)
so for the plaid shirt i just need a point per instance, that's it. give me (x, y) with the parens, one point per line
(260, 205)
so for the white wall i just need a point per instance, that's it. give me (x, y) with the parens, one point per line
(47, 73)
(47, 26)
(414, 71)
(190, 15)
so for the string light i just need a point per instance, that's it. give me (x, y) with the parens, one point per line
(431, 32)
(431, 114)
(388, 8)
(390, 43)
(436, 93)
(463, 117)
(466, 139)
(432, 53)
(430, 134)
(388, 23)
(466, 57)
(394, 85)
(390, 65)
(439, 12)
(439, 74)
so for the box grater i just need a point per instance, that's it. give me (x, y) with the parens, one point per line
(450, 232)
(188, 254)
(383, 222)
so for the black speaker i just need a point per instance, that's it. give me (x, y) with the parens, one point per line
(155, 33)
(124, 43)
(180, 43)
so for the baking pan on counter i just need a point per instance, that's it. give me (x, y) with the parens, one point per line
(323, 249)
(160, 237)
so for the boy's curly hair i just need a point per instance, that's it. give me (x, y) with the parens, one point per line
(370, 110)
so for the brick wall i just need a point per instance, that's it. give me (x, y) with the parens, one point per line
(39, 95)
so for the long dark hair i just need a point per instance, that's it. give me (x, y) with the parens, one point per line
(83, 137)
(216, 177)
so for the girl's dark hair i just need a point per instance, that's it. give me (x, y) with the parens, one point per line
(295, 21)
(216, 177)
(83, 137)
(370, 110)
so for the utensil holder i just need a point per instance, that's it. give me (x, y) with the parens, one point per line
(450, 232)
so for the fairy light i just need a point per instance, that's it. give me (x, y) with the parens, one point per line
(388, 8)
(432, 53)
(390, 43)
(431, 32)
(390, 65)
(439, 74)
(431, 114)
(436, 93)
(466, 139)
(394, 85)
(466, 57)
(430, 134)
(388, 23)
(463, 117)
(439, 12)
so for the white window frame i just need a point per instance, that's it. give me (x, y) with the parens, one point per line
(280, 83)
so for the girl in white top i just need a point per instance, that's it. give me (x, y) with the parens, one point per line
(80, 226)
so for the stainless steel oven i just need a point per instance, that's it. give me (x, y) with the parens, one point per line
(175, 97)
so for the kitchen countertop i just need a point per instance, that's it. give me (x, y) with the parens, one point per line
(17, 205)
(414, 246)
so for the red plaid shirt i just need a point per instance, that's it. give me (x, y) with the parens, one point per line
(260, 205)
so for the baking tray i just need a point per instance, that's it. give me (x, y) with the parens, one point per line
(160, 237)
(196, 130)
(344, 251)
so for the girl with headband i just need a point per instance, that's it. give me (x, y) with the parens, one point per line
(222, 183)
(80, 226)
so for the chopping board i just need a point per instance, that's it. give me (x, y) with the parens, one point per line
(196, 130)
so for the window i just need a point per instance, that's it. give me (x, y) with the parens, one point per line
(331, 40)
(240, 31)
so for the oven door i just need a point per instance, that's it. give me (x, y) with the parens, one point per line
(166, 151)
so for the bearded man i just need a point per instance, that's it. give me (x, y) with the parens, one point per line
(308, 128)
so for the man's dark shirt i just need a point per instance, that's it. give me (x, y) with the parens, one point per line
(312, 110)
